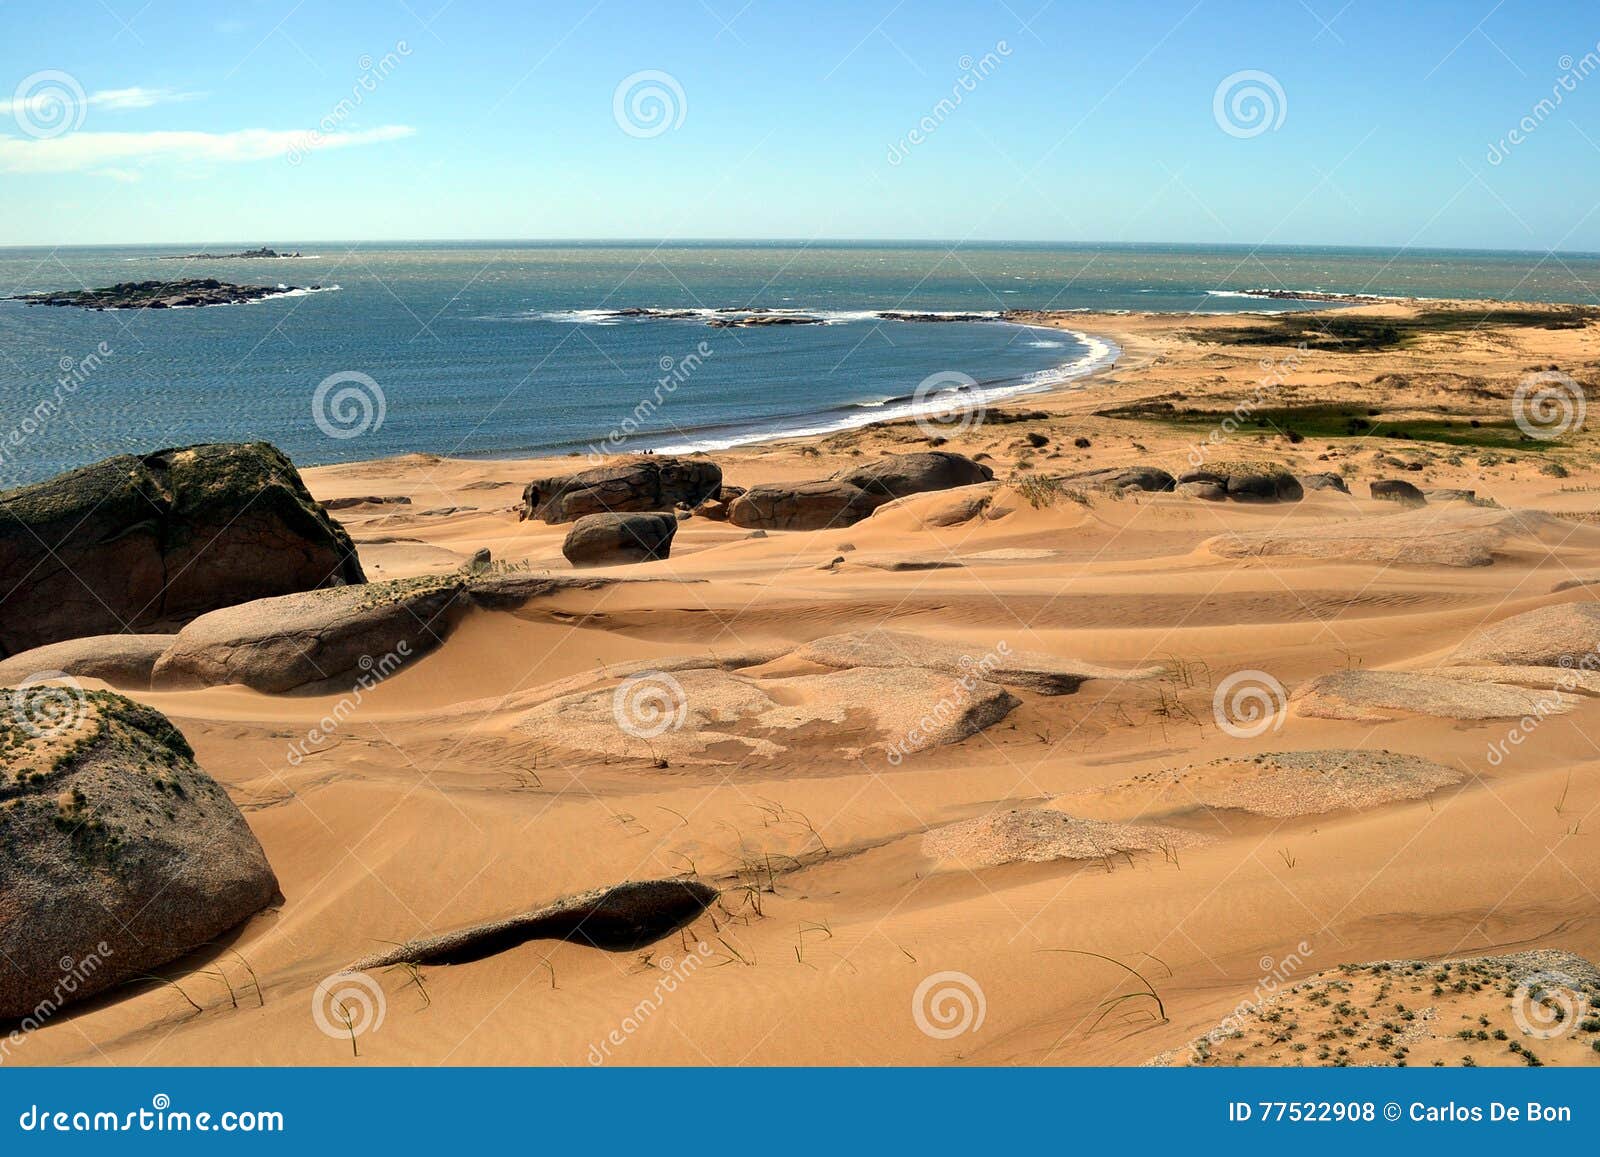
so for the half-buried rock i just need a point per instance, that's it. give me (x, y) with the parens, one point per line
(147, 543)
(1039, 835)
(122, 660)
(643, 483)
(1565, 635)
(613, 539)
(117, 853)
(854, 493)
(1378, 696)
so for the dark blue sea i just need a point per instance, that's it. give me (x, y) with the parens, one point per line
(502, 349)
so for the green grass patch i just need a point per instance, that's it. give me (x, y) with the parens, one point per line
(1337, 420)
(1345, 334)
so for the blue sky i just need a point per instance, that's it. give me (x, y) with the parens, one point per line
(125, 122)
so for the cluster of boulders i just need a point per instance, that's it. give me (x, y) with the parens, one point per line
(628, 511)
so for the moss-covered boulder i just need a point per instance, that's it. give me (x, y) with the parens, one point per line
(146, 543)
(117, 853)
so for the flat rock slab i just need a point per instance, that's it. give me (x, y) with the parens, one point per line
(621, 918)
(117, 853)
(1565, 635)
(1455, 535)
(1031, 670)
(1040, 835)
(1378, 696)
(710, 715)
(1303, 783)
(122, 660)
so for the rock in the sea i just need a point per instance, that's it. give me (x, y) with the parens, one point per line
(147, 543)
(643, 483)
(329, 640)
(612, 539)
(996, 663)
(801, 506)
(1565, 635)
(188, 293)
(117, 854)
(1398, 490)
(1377, 696)
(123, 660)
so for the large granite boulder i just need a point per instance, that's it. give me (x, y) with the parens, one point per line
(1398, 490)
(1242, 484)
(613, 539)
(643, 483)
(330, 641)
(802, 506)
(147, 543)
(1120, 478)
(1324, 480)
(897, 475)
(117, 853)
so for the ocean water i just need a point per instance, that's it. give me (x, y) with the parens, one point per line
(513, 349)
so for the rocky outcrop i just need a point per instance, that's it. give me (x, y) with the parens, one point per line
(1454, 535)
(188, 293)
(1324, 480)
(612, 539)
(117, 853)
(328, 640)
(122, 660)
(1263, 484)
(1120, 478)
(1377, 696)
(1398, 490)
(716, 507)
(636, 484)
(854, 493)
(147, 543)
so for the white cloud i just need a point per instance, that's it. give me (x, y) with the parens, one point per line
(112, 99)
(117, 153)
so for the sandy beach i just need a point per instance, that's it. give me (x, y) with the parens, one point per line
(1207, 784)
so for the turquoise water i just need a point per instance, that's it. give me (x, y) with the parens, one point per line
(511, 349)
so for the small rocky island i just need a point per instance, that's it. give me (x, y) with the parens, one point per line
(263, 252)
(191, 292)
